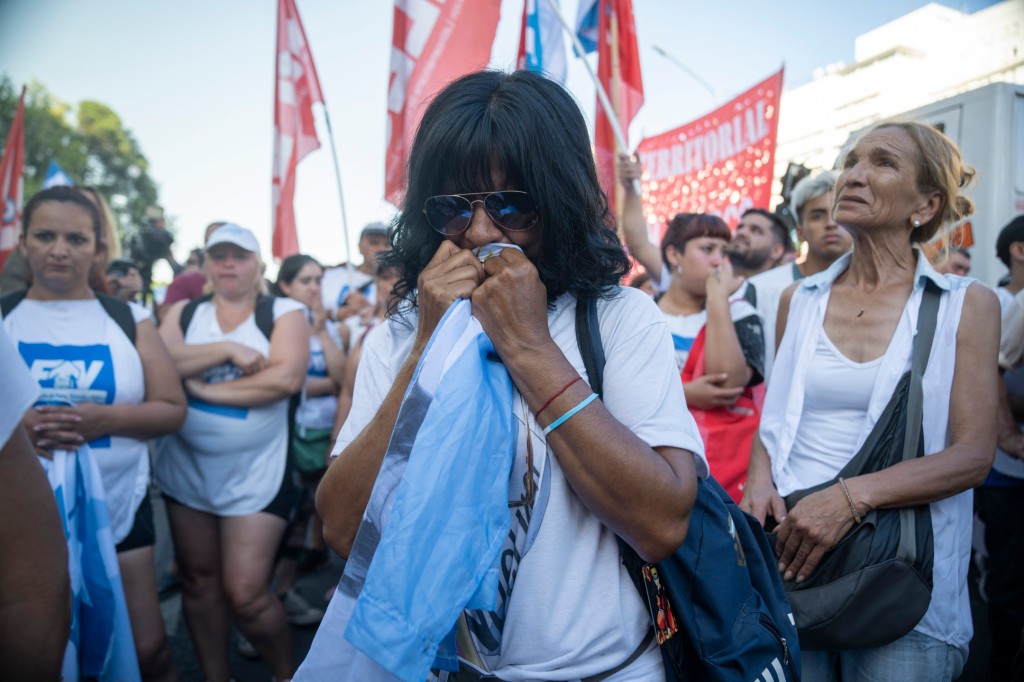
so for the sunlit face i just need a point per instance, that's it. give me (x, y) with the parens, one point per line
(483, 231)
(60, 246)
(699, 257)
(878, 185)
(752, 242)
(232, 270)
(305, 286)
(824, 238)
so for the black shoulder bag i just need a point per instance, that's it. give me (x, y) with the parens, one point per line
(876, 584)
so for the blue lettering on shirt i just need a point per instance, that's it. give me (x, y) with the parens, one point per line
(72, 374)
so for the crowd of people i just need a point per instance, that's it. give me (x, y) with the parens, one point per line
(274, 413)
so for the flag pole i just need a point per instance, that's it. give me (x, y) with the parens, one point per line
(341, 195)
(601, 94)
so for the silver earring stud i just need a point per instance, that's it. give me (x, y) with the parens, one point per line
(917, 224)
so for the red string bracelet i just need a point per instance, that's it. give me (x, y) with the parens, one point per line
(560, 392)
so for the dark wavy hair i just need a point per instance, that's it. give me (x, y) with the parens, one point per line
(686, 226)
(289, 270)
(532, 130)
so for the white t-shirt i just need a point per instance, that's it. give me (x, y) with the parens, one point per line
(227, 460)
(78, 353)
(571, 610)
(318, 412)
(338, 282)
(685, 328)
(768, 287)
(20, 390)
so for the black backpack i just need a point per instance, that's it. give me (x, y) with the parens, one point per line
(118, 310)
(264, 313)
(723, 587)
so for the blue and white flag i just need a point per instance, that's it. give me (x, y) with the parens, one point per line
(101, 646)
(432, 532)
(541, 44)
(55, 177)
(587, 20)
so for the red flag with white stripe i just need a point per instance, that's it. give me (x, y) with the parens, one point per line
(296, 89)
(618, 69)
(433, 43)
(12, 170)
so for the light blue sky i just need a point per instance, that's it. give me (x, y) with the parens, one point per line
(193, 80)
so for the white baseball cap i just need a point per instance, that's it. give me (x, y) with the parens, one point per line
(229, 233)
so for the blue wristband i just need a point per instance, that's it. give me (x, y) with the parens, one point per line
(569, 415)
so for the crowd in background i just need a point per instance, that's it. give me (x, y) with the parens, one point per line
(787, 351)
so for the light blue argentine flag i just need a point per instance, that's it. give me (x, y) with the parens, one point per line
(587, 19)
(544, 44)
(55, 176)
(100, 646)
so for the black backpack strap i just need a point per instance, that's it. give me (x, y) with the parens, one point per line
(120, 312)
(189, 311)
(265, 314)
(9, 302)
(588, 338)
(927, 319)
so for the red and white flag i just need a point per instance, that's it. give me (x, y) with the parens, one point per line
(12, 170)
(433, 43)
(618, 70)
(296, 89)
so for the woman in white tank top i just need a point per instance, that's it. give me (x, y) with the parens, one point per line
(845, 340)
(224, 472)
(101, 389)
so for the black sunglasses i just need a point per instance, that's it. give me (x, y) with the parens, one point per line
(512, 210)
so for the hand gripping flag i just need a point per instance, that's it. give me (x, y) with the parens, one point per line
(296, 89)
(541, 45)
(12, 168)
(429, 542)
(100, 646)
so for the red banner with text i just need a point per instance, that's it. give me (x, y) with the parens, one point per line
(433, 43)
(721, 163)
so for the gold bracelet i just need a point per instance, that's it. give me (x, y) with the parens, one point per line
(853, 507)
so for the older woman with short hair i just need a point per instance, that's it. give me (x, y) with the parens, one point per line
(847, 343)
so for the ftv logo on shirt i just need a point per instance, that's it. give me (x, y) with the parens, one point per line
(74, 374)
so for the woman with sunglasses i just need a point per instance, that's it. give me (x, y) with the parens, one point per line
(505, 158)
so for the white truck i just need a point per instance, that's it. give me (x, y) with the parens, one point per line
(988, 125)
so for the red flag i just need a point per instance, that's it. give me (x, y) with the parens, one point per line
(433, 43)
(296, 89)
(721, 163)
(12, 170)
(618, 69)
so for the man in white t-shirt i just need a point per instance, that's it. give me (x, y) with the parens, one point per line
(35, 595)
(811, 203)
(347, 289)
(1000, 501)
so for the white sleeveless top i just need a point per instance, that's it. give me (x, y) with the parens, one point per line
(226, 460)
(77, 353)
(949, 616)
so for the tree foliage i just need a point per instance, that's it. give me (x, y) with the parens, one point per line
(89, 142)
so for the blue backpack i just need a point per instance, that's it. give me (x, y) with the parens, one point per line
(722, 585)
